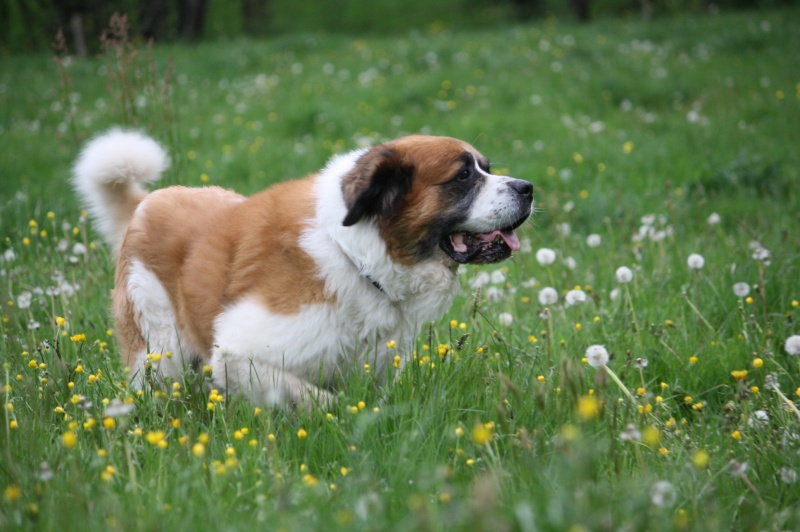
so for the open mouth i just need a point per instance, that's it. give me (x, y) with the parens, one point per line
(482, 248)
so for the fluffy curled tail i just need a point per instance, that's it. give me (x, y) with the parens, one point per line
(109, 175)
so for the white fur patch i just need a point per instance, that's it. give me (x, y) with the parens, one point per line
(156, 320)
(495, 206)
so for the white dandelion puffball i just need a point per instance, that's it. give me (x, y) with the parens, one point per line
(714, 219)
(597, 356)
(696, 261)
(505, 319)
(761, 254)
(548, 296)
(546, 256)
(593, 240)
(662, 494)
(792, 345)
(498, 277)
(741, 289)
(575, 297)
(623, 274)
(24, 300)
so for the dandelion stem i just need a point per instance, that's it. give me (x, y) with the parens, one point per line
(696, 311)
(619, 383)
(633, 315)
(786, 400)
(752, 488)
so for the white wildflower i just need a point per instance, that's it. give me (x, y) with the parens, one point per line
(696, 261)
(33, 325)
(648, 219)
(525, 245)
(761, 254)
(117, 408)
(614, 294)
(714, 219)
(482, 279)
(498, 277)
(597, 356)
(662, 494)
(593, 240)
(563, 229)
(741, 289)
(505, 319)
(79, 249)
(9, 255)
(631, 433)
(68, 289)
(546, 256)
(788, 475)
(24, 299)
(62, 245)
(623, 274)
(641, 363)
(792, 345)
(494, 294)
(530, 283)
(759, 419)
(570, 263)
(548, 296)
(575, 297)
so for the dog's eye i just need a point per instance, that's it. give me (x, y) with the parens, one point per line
(464, 175)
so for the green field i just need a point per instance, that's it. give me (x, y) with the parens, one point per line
(665, 139)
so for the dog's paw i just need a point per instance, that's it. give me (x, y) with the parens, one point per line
(309, 397)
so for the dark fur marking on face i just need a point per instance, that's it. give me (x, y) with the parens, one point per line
(376, 186)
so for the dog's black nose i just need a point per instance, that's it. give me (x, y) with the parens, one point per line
(523, 188)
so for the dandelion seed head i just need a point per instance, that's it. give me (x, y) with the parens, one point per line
(741, 289)
(498, 277)
(792, 345)
(695, 261)
(546, 256)
(593, 240)
(505, 319)
(596, 356)
(548, 296)
(714, 219)
(631, 433)
(788, 475)
(662, 494)
(575, 297)
(623, 275)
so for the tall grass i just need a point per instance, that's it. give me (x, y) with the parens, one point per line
(663, 140)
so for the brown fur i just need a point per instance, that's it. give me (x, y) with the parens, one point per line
(208, 247)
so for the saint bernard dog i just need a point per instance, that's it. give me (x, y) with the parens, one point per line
(280, 291)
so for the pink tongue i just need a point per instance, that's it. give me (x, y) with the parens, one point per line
(509, 237)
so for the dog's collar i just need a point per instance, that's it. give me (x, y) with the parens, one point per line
(375, 283)
(362, 272)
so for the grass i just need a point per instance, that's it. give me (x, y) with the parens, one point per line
(495, 422)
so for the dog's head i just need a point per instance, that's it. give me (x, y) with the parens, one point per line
(436, 195)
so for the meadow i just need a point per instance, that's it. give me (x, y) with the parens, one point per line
(665, 162)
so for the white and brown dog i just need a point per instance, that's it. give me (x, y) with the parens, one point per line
(280, 290)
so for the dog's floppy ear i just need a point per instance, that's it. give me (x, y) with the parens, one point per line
(376, 185)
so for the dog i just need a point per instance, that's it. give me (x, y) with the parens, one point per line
(280, 291)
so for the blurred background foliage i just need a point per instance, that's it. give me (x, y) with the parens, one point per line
(31, 25)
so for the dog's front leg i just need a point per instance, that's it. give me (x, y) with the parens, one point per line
(265, 383)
